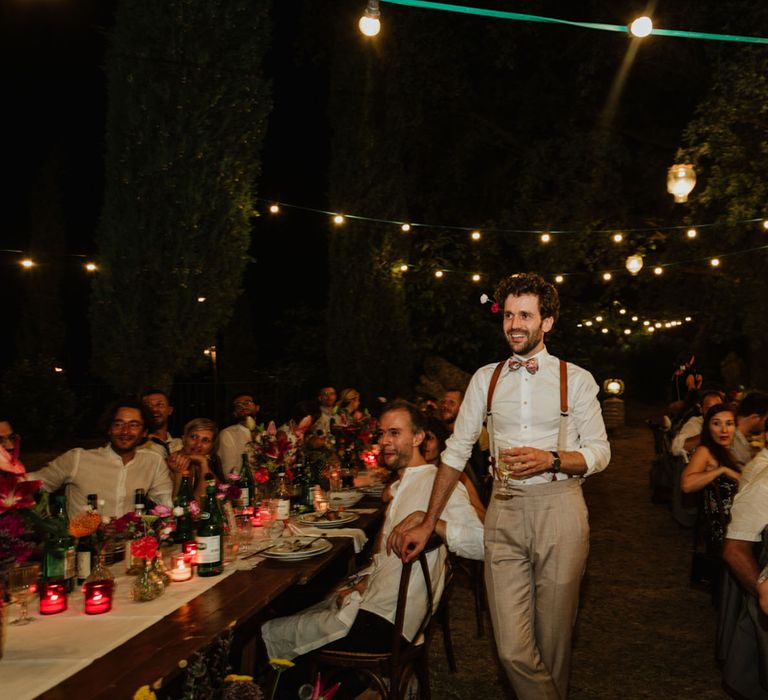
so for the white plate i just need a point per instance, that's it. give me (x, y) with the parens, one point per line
(373, 490)
(314, 519)
(344, 498)
(285, 550)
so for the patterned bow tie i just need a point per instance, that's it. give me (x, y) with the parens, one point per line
(531, 365)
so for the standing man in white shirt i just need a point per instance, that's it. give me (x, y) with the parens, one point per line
(536, 538)
(232, 440)
(112, 472)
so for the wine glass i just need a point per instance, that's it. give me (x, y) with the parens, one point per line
(22, 583)
(503, 470)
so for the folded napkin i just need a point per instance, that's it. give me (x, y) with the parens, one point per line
(359, 537)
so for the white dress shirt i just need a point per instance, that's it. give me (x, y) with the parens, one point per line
(173, 444)
(526, 412)
(691, 428)
(287, 637)
(232, 444)
(749, 512)
(101, 471)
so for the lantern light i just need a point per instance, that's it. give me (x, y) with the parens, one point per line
(201, 300)
(634, 264)
(651, 329)
(681, 179)
(691, 233)
(615, 387)
(657, 324)
(588, 323)
(658, 270)
(646, 323)
(627, 331)
(546, 238)
(688, 318)
(641, 27)
(369, 23)
(274, 209)
(622, 311)
(603, 330)
(607, 276)
(475, 235)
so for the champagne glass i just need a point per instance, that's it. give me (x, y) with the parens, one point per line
(22, 583)
(503, 470)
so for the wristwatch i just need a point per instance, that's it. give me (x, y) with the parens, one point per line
(555, 466)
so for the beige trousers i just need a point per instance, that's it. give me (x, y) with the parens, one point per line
(536, 546)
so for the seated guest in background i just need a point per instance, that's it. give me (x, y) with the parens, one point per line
(233, 440)
(326, 403)
(757, 464)
(360, 617)
(427, 405)
(112, 472)
(159, 439)
(348, 409)
(685, 379)
(687, 438)
(750, 419)
(10, 447)
(196, 457)
(712, 469)
(448, 408)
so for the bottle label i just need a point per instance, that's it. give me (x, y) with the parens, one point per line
(283, 509)
(69, 563)
(208, 550)
(83, 564)
(245, 498)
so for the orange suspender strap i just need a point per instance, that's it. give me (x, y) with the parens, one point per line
(563, 388)
(488, 422)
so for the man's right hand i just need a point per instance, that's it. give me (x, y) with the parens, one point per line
(409, 536)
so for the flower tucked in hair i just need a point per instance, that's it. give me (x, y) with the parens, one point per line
(484, 299)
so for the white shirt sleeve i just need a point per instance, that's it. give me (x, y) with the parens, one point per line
(587, 415)
(463, 529)
(229, 451)
(749, 513)
(59, 471)
(469, 422)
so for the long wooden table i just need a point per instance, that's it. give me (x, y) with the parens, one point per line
(158, 655)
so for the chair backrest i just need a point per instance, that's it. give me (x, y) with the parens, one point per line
(433, 544)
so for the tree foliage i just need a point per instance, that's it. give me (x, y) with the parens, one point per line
(187, 107)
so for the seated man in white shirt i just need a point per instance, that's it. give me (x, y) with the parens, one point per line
(750, 419)
(687, 439)
(360, 617)
(112, 472)
(233, 440)
(160, 440)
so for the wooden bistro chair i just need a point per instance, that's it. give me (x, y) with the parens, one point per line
(405, 658)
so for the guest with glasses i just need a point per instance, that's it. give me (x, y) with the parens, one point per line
(232, 440)
(114, 471)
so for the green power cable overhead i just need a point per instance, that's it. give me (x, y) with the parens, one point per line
(429, 5)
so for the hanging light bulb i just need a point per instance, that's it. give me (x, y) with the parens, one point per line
(681, 179)
(274, 209)
(475, 277)
(403, 268)
(598, 318)
(607, 276)
(405, 228)
(369, 23)
(715, 262)
(338, 219)
(438, 274)
(635, 319)
(91, 267)
(634, 264)
(641, 27)
(546, 238)
(617, 238)
(627, 331)
(691, 233)
(559, 279)
(475, 235)
(658, 270)
(765, 224)
(27, 263)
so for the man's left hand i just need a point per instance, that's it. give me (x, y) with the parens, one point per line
(528, 461)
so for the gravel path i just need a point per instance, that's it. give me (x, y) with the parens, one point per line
(642, 631)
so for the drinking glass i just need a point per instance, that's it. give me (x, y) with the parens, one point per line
(22, 583)
(503, 470)
(244, 532)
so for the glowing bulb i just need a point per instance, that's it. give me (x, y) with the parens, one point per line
(622, 311)
(559, 279)
(405, 228)
(657, 270)
(588, 324)
(439, 273)
(607, 276)
(403, 268)
(634, 264)
(617, 237)
(635, 319)
(475, 235)
(603, 330)
(651, 329)
(475, 277)
(274, 209)
(715, 262)
(545, 238)
(646, 323)
(369, 23)
(27, 263)
(688, 318)
(627, 331)
(691, 233)
(207, 351)
(641, 27)
(765, 223)
(91, 267)
(200, 300)
(657, 324)
(58, 370)
(338, 219)
(579, 325)
(598, 318)
(667, 325)
(681, 179)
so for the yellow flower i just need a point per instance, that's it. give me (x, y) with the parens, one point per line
(281, 664)
(144, 693)
(234, 678)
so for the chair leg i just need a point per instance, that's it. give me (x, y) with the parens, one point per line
(478, 589)
(422, 675)
(445, 622)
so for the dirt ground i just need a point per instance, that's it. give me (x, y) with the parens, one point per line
(642, 630)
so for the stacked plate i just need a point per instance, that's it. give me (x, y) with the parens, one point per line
(296, 548)
(345, 498)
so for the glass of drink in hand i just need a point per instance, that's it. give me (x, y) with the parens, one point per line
(503, 469)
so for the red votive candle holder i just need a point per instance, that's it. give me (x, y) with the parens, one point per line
(98, 596)
(190, 552)
(53, 597)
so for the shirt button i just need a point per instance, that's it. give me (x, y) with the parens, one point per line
(525, 427)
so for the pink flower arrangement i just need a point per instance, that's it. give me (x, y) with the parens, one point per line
(144, 548)
(274, 450)
(17, 501)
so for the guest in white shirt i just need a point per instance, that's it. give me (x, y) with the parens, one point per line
(112, 472)
(536, 528)
(233, 440)
(160, 440)
(750, 419)
(326, 400)
(360, 616)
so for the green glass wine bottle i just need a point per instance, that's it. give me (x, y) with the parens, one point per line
(210, 531)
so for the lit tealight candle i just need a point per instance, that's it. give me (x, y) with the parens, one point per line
(181, 569)
(98, 597)
(53, 597)
(190, 552)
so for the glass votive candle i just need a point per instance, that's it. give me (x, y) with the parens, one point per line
(189, 550)
(53, 597)
(98, 596)
(181, 568)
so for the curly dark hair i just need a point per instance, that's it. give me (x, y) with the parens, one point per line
(530, 283)
(111, 410)
(720, 453)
